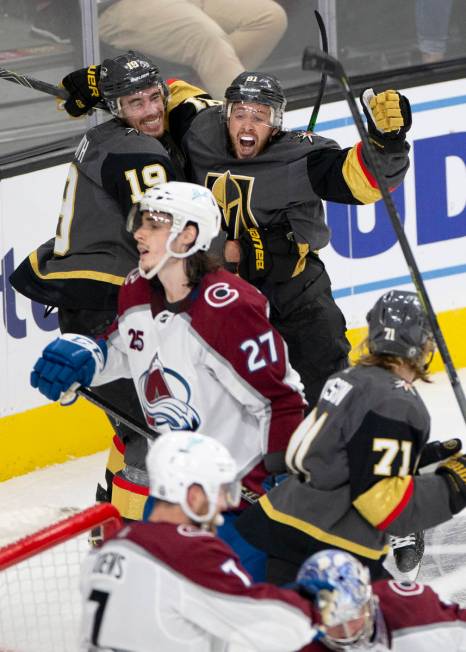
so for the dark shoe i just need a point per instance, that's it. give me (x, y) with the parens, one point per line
(50, 23)
(408, 551)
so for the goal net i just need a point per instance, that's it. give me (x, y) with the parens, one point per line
(40, 603)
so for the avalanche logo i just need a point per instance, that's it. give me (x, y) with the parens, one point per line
(220, 294)
(165, 397)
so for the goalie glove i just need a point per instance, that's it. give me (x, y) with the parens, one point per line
(67, 360)
(437, 451)
(388, 118)
(454, 472)
(83, 87)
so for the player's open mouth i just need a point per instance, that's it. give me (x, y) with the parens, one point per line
(247, 142)
(151, 123)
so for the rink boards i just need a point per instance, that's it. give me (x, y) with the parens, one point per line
(363, 260)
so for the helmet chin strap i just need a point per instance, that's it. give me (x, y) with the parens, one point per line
(155, 270)
(169, 253)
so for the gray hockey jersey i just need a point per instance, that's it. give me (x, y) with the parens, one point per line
(355, 460)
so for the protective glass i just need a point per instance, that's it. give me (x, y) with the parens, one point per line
(232, 493)
(256, 114)
(352, 634)
(135, 218)
(140, 102)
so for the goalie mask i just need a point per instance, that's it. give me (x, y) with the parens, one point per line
(127, 74)
(180, 459)
(257, 88)
(344, 597)
(398, 325)
(184, 203)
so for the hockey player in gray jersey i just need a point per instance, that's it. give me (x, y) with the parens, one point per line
(81, 269)
(269, 184)
(354, 458)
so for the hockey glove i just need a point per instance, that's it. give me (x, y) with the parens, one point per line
(69, 359)
(454, 472)
(437, 451)
(388, 118)
(83, 87)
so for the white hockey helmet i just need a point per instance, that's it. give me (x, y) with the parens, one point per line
(180, 459)
(186, 203)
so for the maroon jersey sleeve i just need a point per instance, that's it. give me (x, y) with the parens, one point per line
(233, 319)
(207, 561)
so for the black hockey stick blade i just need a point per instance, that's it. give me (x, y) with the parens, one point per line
(314, 59)
(116, 413)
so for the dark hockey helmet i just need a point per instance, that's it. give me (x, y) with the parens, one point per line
(257, 88)
(127, 74)
(398, 325)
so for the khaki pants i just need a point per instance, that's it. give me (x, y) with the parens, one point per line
(217, 38)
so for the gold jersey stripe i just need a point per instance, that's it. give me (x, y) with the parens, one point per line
(82, 273)
(181, 91)
(116, 458)
(383, 499)
(317, 533)
(303, 250)
(358, 178)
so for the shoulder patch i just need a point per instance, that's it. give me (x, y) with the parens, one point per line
(132, 277)
(221, 294)
(406, 588)
(335, 390)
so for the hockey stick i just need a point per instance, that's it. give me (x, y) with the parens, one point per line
(323, 79)
(69, 397)
(317, 60)
(246, 494)
(39, 85)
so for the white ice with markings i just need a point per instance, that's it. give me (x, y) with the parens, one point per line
(39, 600)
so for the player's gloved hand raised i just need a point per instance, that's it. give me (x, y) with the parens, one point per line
(69, 359)
(454, 472)
(83, 87)
(388, 118)
(437, 451)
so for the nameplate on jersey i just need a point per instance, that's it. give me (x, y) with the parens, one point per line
(335, 390)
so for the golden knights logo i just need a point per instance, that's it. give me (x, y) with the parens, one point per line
(233, 194)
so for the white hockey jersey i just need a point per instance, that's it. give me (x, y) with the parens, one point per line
(162, 587)
(216, 365)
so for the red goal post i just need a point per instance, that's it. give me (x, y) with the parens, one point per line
(40, 603)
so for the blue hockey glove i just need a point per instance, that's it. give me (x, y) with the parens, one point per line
(69, 359)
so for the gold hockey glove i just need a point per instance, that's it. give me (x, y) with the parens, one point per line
(388, 118)
(454, 472)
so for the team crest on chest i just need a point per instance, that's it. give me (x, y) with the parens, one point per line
(233, 194)
(166, 396)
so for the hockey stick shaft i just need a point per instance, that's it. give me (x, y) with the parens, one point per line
(314, 59)
(246, 494)
(31, 82)
(39, 85)
(114, 412)
(323, 79)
